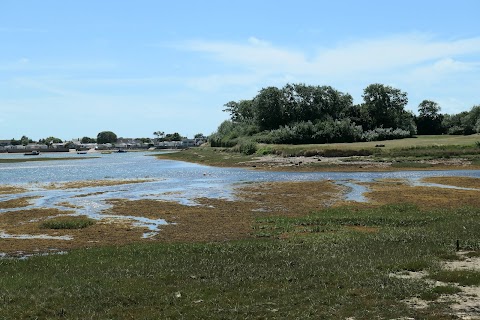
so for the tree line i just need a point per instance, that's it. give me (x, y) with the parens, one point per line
(299, 113)
(105, 137)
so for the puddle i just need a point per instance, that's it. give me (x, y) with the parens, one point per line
(356, 191)
(5, 235)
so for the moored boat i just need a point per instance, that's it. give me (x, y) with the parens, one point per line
(32, 153)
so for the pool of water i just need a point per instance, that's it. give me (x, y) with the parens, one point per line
(164, 179)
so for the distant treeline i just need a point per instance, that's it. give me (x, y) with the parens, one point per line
(299, 113)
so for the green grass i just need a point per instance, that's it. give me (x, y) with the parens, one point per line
(68, 223)
(332, 271)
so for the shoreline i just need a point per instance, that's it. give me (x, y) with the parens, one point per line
(321, 164)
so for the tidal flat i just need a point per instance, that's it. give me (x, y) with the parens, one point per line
(238, 244)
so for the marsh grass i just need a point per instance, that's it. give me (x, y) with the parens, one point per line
(67, 223)
(334, 272)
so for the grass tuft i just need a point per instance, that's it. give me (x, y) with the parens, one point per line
(437, 291)
(68, 223)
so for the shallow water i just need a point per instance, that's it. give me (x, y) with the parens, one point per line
(167, 180)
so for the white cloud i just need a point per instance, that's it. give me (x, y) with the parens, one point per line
(371, 55)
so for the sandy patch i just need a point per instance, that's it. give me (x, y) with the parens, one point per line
(465, 304)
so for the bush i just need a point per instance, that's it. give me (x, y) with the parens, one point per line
(385, 134)
(247, 147)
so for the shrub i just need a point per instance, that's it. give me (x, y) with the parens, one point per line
(246, 147)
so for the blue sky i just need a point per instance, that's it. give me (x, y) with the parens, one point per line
(74, 68)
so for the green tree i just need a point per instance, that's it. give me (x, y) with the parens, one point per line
(386, 107)
(160, 135)
(199, 136)
(88, 140)
(429, 120)
(24, 140)
(173, 137)
(268, 108)
(241, 111)
(106, 137)
(51, 140)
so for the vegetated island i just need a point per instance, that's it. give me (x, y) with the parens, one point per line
(315, 128)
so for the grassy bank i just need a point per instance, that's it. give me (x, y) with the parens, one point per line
(413, 153)
(332, 264)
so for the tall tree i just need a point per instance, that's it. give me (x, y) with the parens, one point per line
(386, 107)
(429, 120)
(106, 137)
(24, 140)
(269, 108)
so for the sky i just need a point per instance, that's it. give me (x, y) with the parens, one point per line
(71, 69)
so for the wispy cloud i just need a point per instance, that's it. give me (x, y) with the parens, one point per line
(369, 55)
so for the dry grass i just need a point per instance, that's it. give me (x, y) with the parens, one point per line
(463, 182)
(16, 203)
(11, 190)
(388, 192)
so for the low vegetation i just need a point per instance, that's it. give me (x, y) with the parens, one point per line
(332, 264)
(68, 222)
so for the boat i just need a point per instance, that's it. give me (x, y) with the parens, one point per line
(32, 153)
(121, 151)
(106, 152)
(81, 152)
